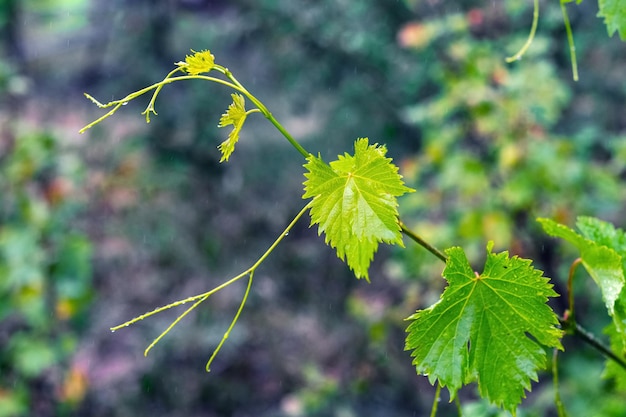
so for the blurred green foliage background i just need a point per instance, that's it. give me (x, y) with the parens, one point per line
(98, 228)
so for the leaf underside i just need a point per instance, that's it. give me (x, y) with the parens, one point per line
(487, 328)
(355, 202)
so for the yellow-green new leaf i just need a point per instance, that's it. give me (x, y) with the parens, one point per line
(355, 202)
(235, 115)
(199, 62)
(488, 328)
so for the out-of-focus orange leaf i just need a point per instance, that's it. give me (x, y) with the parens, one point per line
(75, 385)
(414, 35)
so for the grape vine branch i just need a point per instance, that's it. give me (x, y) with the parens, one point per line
(353, 200)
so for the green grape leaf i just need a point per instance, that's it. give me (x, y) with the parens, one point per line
(601, 262)
(355, 202)
(614, 14)
(487, 328)
(235, 115)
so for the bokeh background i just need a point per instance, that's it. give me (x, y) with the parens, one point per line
(98, 228)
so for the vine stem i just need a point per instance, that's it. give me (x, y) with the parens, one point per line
(570, 40)
(174, 323)
(531, 35)
(200, 298)
(555, 380)
(150, 108)
(570, 289)
(433, 410)
(417, 239)
(157, 87)
(267, 114)
(234, 84)
(232, 323)
(591, 340)
(458, 405)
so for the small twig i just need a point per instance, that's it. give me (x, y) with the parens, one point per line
(433, 410)
(200, 298)
(430, 248)
(150, 108)
(570, 289)
(555, 380)
(266, 113)
(572, 327)
(232, 323)
(155, 86)
(174, 323)
(531, 36)
(458, 405)
(570, 41)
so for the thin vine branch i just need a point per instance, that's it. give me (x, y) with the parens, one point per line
(570, 40)
(555, 380)
(433, 410)
(591, 340)
(417, 239)
(150, 109)
(172, 324)
(570, 289)
(232, 323)
(267, 114)
(531, 35)
(156, 86)
(200, 298)
(458, 406)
